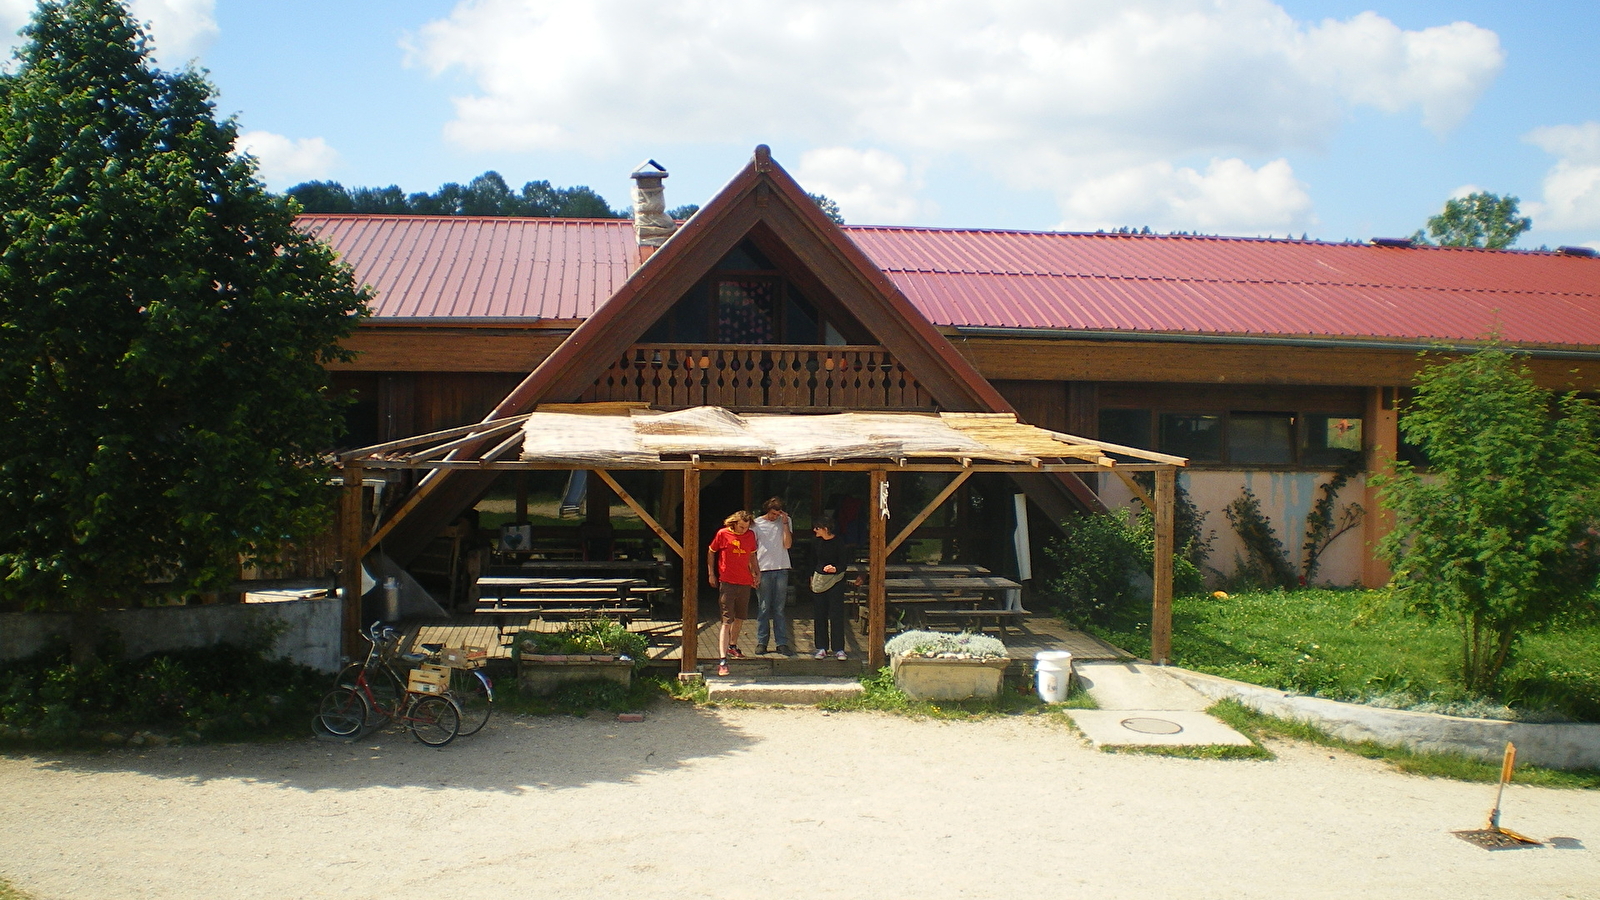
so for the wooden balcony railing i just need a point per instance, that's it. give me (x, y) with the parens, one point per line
(746, 376)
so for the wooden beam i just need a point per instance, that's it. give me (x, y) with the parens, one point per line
(639, 511)
(877, 557)
(352, 541)
(1161, 597)
(1133, 486)
(691, 572)
(958, 481)
(481, 429)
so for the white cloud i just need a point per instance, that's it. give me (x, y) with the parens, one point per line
(1044, 93)
(180, 30)
(1441, 71)
(870, 186)
(1572, 186)
(284, 161)
(1228, 197)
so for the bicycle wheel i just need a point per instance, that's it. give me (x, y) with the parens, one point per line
(342, 712)
(434, 720)
(473, 692)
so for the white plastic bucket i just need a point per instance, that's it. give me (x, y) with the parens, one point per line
(1053, 670)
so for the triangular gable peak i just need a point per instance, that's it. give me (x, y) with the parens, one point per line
(765, 206)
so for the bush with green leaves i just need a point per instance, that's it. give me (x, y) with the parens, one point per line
(595, 637)
(223, 692)
(1498, 537)
(940, 645)
(1095, 570)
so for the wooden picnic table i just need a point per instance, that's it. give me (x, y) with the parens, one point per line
(906, 569)
(654, 568)
(508, 597)
(977, 599)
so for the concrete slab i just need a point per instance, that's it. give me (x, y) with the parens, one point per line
(1135, 685)
(1154, 728)
(786, 690)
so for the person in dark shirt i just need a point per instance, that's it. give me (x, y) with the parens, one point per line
(829, 559)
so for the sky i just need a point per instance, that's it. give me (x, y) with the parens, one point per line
(1339, 120)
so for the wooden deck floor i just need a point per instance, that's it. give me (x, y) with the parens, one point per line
(1028, 636)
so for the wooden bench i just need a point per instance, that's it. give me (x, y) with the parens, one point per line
(980, 616)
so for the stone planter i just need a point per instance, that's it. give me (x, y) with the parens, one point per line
(947, 679)
(543, 674)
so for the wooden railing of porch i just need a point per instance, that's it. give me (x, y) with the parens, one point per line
(761, 376)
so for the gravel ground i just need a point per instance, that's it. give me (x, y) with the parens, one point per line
(771, 803)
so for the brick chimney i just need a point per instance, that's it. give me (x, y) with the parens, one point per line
(651, 225)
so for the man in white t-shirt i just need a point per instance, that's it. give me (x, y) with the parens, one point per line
(774, 536)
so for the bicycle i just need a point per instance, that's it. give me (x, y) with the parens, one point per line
(360, 702)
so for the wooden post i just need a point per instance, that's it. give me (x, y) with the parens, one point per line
(1161, 600)
(1382, 446)
(691, 572)
(877, 531)
(352, 538)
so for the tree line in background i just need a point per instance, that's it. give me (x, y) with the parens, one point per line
(486, 195)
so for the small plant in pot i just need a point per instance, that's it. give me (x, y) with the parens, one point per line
(931, 665)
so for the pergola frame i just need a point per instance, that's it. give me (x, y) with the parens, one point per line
(437, 447)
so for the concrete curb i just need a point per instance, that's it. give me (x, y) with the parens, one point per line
(1554, 746)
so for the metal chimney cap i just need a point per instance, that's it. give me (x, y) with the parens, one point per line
(649, 169)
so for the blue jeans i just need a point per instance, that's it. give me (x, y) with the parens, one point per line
(770, 620)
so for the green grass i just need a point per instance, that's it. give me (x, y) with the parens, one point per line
(1257, 726)
(10, 892)
(1357, 646)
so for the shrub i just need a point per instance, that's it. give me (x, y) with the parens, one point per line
(1093, 573)
(226, 691)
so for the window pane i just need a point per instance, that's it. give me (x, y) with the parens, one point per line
(747, 311)
(1129, 427)
(1197, 437)
(1330, 440)
(1261, 439)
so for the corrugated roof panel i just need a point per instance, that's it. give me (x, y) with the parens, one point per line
(423, 267)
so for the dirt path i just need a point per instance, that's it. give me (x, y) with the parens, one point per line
(765, 803)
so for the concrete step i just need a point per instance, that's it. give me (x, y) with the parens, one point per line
(790, 666)
(1136, 685)
(787, 690)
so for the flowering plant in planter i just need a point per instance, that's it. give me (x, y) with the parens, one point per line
(929, 665)
(938, 645)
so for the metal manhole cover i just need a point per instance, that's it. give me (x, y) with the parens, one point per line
(1145, 725)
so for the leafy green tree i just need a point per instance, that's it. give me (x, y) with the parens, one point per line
(1499, 536)
(163, 328)
(1476, 220)
(829, 207)
(683, 212)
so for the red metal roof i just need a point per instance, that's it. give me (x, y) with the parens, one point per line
(1210, 285)
(428, 267)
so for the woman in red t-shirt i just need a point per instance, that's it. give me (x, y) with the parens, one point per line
(731, 565)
